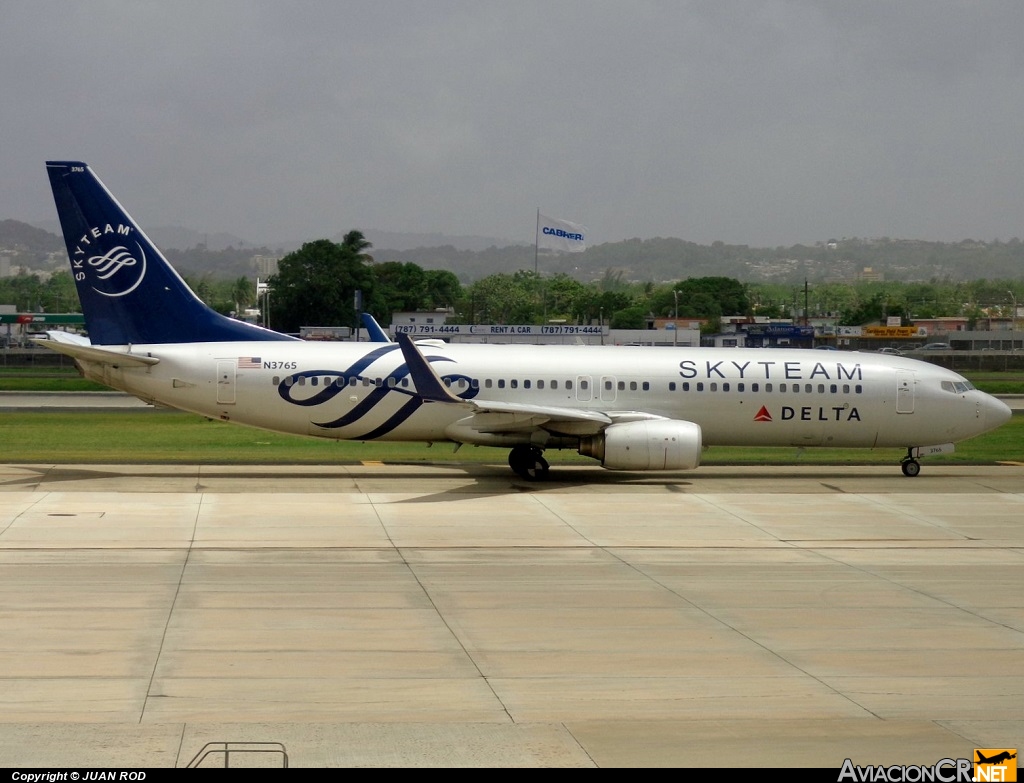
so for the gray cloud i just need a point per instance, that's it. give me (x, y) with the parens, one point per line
(759, 122)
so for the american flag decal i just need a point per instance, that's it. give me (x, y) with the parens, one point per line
(250, 363)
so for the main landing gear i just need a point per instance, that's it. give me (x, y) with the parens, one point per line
(911, 467)
(528, 462)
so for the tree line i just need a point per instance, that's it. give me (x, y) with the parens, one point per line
(316, 285)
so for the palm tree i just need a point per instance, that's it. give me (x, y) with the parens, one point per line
(356, 242)
(243, 292)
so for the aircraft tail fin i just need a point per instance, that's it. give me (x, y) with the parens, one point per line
(130, 294)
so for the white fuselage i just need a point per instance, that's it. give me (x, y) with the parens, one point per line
(756, 397)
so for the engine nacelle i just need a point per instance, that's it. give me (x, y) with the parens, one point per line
(656, 444)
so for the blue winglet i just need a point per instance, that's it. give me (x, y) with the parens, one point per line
(373, 329)
(429, 385)
(130, 294)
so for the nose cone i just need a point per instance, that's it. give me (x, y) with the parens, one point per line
(997, 412)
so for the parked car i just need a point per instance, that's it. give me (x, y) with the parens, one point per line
(894, 351)
(937, 347)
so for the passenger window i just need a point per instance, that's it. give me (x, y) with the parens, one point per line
(671, 385)
(714, 387)
(755, 387)
(686, 386)
(607, 385)
(725, 387)
(488, 383)
(554, 384)
(314, 381)
(700, 386)
(526, 384)
(767, 387)
(275, 380)
(540, 384)
(501, 383)
(632, 385)
(514, 383)
(622, 386)
(858, 389)
(782, 387)
(646, 386)
(568, 384)
(584, 385)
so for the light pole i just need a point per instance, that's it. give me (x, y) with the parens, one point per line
(1013, 318)
(263, 290)
(675, 320)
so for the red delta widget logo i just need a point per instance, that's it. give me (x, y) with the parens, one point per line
(810, 413)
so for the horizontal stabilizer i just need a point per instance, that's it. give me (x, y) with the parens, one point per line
(95, 355)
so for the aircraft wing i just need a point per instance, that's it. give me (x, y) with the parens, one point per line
(79, 348)
(494, 416)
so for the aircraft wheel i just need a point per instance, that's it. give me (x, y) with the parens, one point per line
(518, 458)
(911, 467)
(538, 468)
(528, 462)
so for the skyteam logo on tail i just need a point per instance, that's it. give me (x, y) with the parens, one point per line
(117, 270)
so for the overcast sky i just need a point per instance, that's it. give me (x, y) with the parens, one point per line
(763, 122)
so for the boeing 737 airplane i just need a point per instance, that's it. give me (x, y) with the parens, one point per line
(631, 408)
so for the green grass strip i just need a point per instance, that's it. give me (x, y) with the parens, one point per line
(182, 438)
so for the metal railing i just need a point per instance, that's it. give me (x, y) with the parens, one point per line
(230, 748)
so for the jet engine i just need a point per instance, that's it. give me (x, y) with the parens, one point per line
(655, 444)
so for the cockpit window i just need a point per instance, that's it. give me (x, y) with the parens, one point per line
(957, 387)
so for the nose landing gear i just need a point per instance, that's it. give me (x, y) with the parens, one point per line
(911, 467)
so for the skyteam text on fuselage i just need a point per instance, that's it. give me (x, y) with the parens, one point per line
(631, 408)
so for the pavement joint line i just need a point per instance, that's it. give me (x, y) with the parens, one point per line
(768, 649)
(440, 615)
(170, 612)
